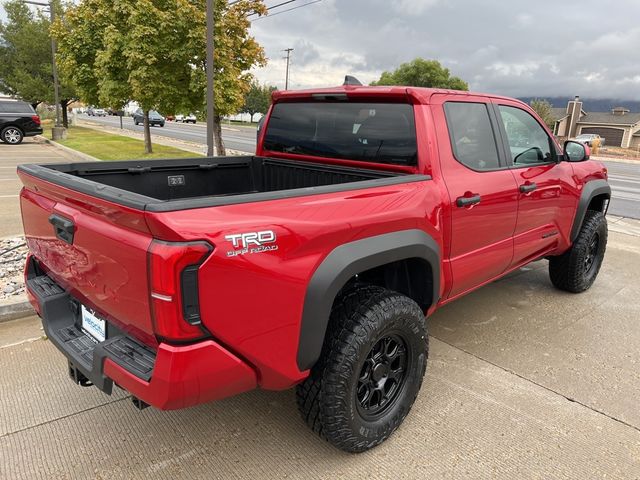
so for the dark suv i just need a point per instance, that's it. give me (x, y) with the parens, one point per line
(18, 120)
(154, 118)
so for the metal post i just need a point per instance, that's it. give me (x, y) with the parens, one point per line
(286, 80)
(210, 98)
(56, 88)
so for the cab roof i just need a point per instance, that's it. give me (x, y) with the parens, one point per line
(418, 95)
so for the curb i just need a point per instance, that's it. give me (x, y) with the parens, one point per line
(14, 311)
(70, 151)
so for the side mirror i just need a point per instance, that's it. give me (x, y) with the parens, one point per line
(576, 151)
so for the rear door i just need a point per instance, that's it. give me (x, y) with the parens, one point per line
(546, 201)
(482, 190)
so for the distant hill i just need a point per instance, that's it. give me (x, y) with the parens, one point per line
(590, 105)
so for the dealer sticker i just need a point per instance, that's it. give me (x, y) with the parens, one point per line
(94, 326)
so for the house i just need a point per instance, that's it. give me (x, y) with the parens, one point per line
(619, 127)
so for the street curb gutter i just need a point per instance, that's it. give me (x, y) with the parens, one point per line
(70, 151)
(14, 311)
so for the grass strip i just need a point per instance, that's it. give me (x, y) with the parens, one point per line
(109, 146)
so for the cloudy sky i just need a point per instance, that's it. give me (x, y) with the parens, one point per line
(512, 47)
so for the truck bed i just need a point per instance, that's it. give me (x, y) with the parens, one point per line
(177, 184)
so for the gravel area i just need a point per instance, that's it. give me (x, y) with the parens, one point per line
(13, 252)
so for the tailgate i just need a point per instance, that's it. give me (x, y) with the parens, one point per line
(94, 249)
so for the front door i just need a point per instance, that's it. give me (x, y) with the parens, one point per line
(545, 197)
(482, 192)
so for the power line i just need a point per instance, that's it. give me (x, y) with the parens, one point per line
(268, 8)
(275, 6)
(285, 11)
(280, 4)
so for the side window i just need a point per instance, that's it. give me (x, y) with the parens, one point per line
(528, 141)
(472, 137)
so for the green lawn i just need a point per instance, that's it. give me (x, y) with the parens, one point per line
(108, 146)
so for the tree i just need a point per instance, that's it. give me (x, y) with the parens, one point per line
(257, 99)
(154, 52)
(543, 109)
(25, 58)
(422, 73)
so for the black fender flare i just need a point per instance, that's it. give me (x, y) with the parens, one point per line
(342, 264)
(591, 190)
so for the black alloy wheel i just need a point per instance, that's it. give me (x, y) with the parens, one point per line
(382, 376)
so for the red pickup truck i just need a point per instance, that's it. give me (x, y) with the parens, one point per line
(312, 263)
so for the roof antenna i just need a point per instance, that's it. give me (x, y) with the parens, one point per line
(351, 80)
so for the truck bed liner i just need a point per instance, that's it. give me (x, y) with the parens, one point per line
(178, 184)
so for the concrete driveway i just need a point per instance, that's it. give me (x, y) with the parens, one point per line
(523, 381)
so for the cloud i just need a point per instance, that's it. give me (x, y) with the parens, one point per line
(515, 48)
(412, 7)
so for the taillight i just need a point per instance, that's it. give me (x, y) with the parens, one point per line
(36, 119)
(173, 281)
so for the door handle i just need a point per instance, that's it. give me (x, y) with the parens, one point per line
(468, 201)
(63, 228)
(528, 187)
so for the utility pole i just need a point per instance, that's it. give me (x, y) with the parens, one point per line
(286, 81)
(210, 98)
(58, 131)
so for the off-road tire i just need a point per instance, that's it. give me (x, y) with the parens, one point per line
(361, 321)
(575, 271)
(12, 135)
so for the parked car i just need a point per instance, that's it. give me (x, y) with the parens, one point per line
(99, 112)
(18, 120)
(90, 111)
(169, 118)
(588, 138)
(313, 262)
(191, 118)
(154, 118)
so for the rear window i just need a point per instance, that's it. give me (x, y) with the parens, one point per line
(371, 132)
(471, 133)
(16, 107)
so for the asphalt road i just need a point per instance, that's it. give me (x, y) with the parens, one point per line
(235, 137)
(624, 179)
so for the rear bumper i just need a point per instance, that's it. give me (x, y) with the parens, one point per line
(168, 378)
(32, 132)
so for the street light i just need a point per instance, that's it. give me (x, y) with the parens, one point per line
(54, 68)
(288, 57)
